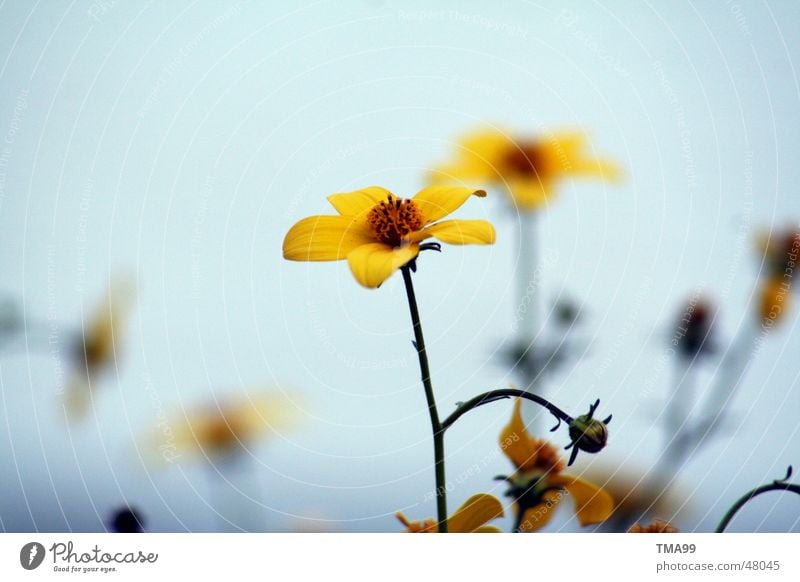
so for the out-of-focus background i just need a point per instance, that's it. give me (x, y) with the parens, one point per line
(174, 144)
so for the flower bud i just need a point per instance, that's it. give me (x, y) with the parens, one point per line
(588, 434)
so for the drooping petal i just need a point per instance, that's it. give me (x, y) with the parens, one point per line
(599, 168)
(476, 512)
(538, 516)
(373, 263)
(487, 143)
(459, 232)
(478, 158)
(359, 201)
(567, 156)
(515, 441)
(592, 503)
(529, 194)
(324, 238)
(436, 202)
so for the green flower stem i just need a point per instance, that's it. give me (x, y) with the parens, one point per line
(436, 425)
(776, 486)
(494, 395)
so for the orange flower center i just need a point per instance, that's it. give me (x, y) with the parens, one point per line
(220, 434)
(394, 219)
(524, 159)
(549, 459)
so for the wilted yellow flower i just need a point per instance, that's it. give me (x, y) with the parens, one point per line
(224, 428)
(378, 232)
(538, 484)
(98, 347)
(471, 517)
(529, 169)
(657, 526)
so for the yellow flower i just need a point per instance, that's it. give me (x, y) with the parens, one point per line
(657, 526)
(378, 233)
(469, 518)
(98, 347)
(780, 256)
(633, 494)
(775, 300)
(538, 485)
(529, 169)
(225, 428)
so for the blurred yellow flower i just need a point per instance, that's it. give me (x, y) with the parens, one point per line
(471, 517)
(529, 169)
(97, 349)
(538, 485)
(634, 495)
(378, 233)
(225, 428)
(779, 255)
(657, 526)
(774, 300)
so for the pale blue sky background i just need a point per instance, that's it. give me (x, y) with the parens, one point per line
(181, 140)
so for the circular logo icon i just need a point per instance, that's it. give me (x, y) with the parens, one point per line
(31, 555)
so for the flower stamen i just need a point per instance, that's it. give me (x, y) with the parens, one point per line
(525, 159)
(393, 219)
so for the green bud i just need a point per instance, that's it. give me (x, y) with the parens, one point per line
(588, 434)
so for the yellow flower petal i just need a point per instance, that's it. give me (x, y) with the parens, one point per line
(515, 440)
(224, 427)
(476, 511)
(592, 504)
(459, 232)
(488, 529)
(604, 169)
(775, 301)
(355, 203)
(324, 238)
(436, 202)
(540, 515)
(373, 263)
(487, 143)
(567, 156)
(529, 194)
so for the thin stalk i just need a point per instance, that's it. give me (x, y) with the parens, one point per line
(494, 395)
(697, 432)
(694, 434)
(681, 402)
(776, 486)
(436, 425)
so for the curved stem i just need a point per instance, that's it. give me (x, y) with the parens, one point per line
(436, 425)
(494, 395)
(776, 486)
